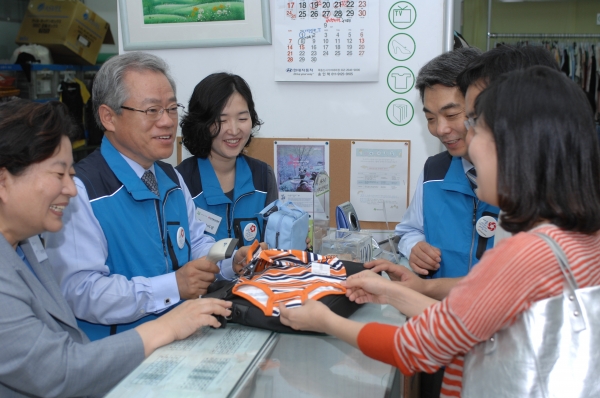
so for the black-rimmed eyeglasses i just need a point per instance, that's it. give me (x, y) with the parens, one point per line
(156, 112)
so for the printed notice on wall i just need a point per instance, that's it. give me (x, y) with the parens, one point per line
(208, 363)
(379, 180)
(326, 40)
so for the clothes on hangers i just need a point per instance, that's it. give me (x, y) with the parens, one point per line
(578, 60)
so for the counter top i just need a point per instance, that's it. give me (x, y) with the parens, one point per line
(241, 361)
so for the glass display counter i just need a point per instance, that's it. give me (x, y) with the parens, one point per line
(240, 361)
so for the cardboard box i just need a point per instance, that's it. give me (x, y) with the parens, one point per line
(72, 32)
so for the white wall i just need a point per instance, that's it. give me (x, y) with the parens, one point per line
(323, 110)
(107, 9)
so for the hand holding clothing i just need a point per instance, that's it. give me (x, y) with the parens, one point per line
(317, 317)
(368, 287)
(398, 273)
(311, 316)
(239, 258)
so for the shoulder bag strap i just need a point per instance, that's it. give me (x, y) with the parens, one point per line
(576, 314)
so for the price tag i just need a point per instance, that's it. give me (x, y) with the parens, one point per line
(320, 269)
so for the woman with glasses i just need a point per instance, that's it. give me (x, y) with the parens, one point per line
(523, 323)
(228, 187)
(42, 350)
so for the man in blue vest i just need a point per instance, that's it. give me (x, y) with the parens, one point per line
(131, 246)
(441, 231)
(474, 78)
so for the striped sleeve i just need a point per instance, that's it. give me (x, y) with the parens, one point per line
(424, 344)
(509, 278)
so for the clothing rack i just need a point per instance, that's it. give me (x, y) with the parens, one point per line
(532, 35)
(555, 36)
(545, 35)
(577, 56)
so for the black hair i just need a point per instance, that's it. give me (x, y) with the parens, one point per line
(503, 59)
(548, 151)
(30, 132)
(444, 68)
(207, 102)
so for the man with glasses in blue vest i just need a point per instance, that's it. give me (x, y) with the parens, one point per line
(131, 246)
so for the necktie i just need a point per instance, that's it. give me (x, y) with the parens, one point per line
(472, 176)
(150, 181)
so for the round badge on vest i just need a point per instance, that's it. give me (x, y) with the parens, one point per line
(250, 231)
(180, 237)
(486, 226)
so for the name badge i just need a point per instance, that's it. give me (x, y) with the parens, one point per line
(38, 248)
(211, 220)
(180, 237)
(250, 231)
(486, 226)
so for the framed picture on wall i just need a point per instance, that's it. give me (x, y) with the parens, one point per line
(154, 24)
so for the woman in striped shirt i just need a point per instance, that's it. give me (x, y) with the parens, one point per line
(537, 158)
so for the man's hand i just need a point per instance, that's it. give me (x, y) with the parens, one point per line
(400, 274)
(424, 258)
(194, 278)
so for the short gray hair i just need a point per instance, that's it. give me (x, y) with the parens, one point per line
(109, 88)
(444, 68)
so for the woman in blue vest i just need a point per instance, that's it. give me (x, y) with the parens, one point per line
(228, 188)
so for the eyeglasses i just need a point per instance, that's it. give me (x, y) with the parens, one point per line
(470, 122)
(156, 112)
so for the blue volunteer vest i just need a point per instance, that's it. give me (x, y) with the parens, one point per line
(450, 211)
(239, 217)
(141, 230)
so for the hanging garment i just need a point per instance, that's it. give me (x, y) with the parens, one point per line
(566, 62)
(71, 96)
(591, 89)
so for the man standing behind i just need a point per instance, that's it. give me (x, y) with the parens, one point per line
(131, 246)
(439, 233)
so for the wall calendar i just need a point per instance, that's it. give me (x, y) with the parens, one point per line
(326, 40)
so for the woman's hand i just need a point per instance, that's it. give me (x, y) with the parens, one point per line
(181, 322)
(312, 316)
(191, 315)
(368, 287)
(317, 317)
(399, 273)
